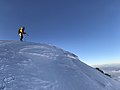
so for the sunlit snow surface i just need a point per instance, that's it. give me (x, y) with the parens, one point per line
(32, 66)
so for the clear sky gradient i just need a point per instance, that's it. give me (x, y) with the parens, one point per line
(88, 28)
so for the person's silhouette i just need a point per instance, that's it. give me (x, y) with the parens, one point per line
(21, 32)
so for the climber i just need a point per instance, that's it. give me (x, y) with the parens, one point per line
(21, 32)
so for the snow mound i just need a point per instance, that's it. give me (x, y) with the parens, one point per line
(33, 66)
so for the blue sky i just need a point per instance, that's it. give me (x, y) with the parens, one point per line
(88, 28)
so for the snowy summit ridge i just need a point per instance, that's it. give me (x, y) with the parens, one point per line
(32, 66)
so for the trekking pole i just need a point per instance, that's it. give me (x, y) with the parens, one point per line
(27, 37)
(27, 34)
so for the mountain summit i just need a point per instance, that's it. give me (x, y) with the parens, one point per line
(33, 66)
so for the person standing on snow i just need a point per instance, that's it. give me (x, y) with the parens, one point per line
(21, 32)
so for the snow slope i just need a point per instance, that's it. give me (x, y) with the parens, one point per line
(32, 66)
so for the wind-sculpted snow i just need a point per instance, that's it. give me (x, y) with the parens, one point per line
(32, 66)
